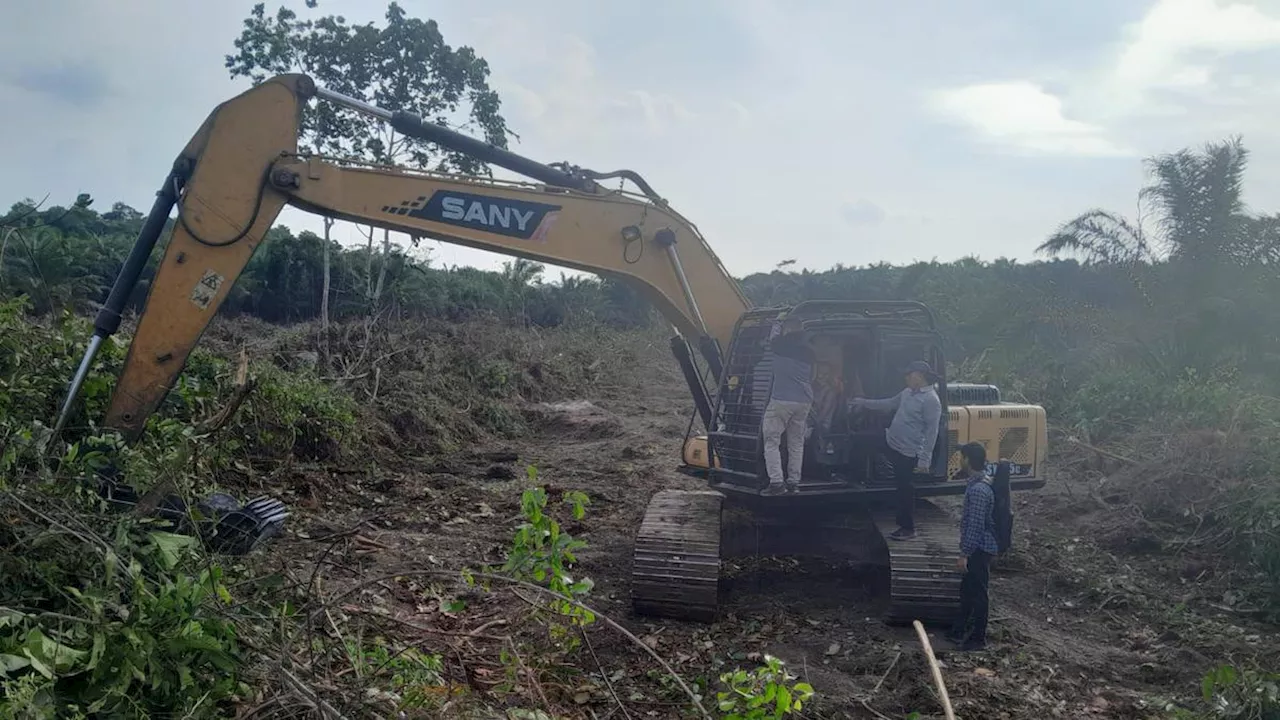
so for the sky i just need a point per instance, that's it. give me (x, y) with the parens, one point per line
(816, 131)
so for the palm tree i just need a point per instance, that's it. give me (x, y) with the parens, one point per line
(1199, 198)
(517, 277)
(1196, 197)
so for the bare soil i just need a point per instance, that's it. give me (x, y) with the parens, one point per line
(1089, 618)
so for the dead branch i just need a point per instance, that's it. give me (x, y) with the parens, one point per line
(533, 679)
(608, 683)
(874, 711)
(885, 675)
(476, 634)
(455, 575)
(1101, 452)
(937, 671)
(309, 696)
(244, 386)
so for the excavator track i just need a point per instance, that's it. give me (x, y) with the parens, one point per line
(924, 584)
(676, 566)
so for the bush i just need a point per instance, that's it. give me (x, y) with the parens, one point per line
(131, 623)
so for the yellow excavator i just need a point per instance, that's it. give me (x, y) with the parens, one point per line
(243, 166)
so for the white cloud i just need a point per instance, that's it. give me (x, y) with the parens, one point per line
(862, 212)
(1169, 45)
(557, 82)
(1022, 115)
(1165, 62)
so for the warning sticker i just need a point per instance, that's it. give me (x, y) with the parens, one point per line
(205, 290)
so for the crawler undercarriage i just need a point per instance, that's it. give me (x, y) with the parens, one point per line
(686, 533)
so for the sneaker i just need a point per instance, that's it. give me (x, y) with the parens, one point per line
(793, 488)
(901, 534)
(774, 489)
(972, 645)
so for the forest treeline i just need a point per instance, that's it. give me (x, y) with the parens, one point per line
(1123, 317)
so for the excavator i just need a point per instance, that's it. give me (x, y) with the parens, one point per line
(243, 166)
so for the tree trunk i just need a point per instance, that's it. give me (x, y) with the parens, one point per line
(324, 297)
(368, 272)
(382, 271)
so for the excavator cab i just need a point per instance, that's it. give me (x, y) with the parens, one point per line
(845, 506)
(861, 349)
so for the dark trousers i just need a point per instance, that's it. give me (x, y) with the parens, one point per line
(975, 601)
(904, 467)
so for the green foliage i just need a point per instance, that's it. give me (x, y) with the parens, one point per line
(297, 413)
(543, 553)
(131, 627)
(1121, 399)
(412, 676)
(1230, 693)
(766, 692)
(404, 65)
(101, 615)
(1243, 694)
(284, 280)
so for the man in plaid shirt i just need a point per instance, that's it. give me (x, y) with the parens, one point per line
(977, 547)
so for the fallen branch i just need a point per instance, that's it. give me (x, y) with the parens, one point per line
(874, 711)
(1100, 451)
(471, 635)
(886, 674)
(244, 386)
(937, 671)
(533, 679)
(607, 682)
(309, 696)
(455, 574)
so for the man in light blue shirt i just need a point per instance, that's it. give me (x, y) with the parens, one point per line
(909, 440)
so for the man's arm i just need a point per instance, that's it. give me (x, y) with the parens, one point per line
(977, 506)
(889, 403)
(932, 416)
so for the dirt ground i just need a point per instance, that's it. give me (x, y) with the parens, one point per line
(1087, 619)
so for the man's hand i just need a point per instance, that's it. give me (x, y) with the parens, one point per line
(922, 468)
(962, 564)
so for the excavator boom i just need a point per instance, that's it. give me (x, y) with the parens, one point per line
(243, 167)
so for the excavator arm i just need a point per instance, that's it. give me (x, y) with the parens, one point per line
(243, 167)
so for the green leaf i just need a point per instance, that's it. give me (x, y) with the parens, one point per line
(38, 666)
(55, 656)
(12, 663)
(171, 547)
(95, 653)
(9, 617)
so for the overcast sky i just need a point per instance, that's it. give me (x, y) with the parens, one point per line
(824, 131)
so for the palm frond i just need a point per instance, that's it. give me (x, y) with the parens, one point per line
(1099, 236)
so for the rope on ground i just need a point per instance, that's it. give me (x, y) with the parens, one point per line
(937, 671)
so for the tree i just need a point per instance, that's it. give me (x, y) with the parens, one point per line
(404, 65)
(1203, 236)
(1196, 199)
(1198, 195)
